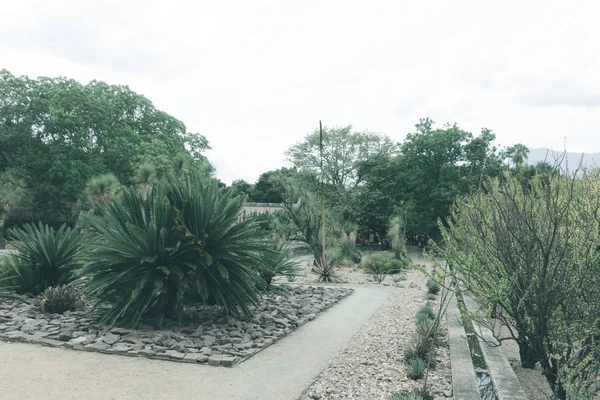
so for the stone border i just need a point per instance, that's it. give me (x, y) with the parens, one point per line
(217, 341)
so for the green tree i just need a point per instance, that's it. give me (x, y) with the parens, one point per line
(343, 152)
(517, 154)
(241, 188)
(533, 251)
(56, 133)
(266, 188)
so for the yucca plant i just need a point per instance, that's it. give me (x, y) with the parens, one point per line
(416, 368)
(45, 257)
(327, 271)
(58, 299)
(145, 177)
(278, 260)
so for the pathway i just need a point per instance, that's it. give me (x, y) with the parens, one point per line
(280, 372)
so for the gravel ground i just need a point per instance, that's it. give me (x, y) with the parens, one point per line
(371, 366)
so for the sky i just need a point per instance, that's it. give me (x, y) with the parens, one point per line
(255, 77)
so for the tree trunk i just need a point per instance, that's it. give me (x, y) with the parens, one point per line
(528, 355)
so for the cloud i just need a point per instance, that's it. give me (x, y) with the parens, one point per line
(558, 91)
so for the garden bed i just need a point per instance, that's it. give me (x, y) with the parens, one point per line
(205, 336)
(372, 366)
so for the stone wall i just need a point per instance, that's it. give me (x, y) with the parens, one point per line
(259, 208)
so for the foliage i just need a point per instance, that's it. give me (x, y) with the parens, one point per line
(425, 312)
(179, 244)
(241, 188)
(56, 134)
(380, 264)
(418, 347)
(61, 298)
(45, 257)
(432, 286)
(397, 237)
(327, 271)
(517, 154)
(429, 329)
(431, 296)
(278, 260)
(416, 368)
(407, 396)
(532, 250)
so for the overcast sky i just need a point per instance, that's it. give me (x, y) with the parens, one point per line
(255, 76)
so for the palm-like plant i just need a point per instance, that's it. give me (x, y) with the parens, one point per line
(102, 188)
(45, 257)
(145, 177)
(396, 237)
(518, 154)
(179, 243)
(279, 260)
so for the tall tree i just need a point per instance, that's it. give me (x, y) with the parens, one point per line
(518, 154)
(55, 134)
(343, 152)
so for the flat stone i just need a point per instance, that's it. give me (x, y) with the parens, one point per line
(110, 338)
(121, 347)
(98, 346)
(215, 359)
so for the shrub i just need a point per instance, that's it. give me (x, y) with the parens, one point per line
(328, 272)
(278, 260)
(58, 299)
(419, 347)
(429, 328)
(416, 367)
(407, 396)
(176, 244)
(431, 296)
(380, 264)
(432, 286)
(45, 257)
(426, 312)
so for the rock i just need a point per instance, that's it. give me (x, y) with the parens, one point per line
(215, 359)
(122, 347)
(195, 357)
(448, 393)
(79, 340)
(110, 338)
(98, 346)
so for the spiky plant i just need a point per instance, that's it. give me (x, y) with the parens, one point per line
(431, 296)
(416, 368)
(102, 188)
(432, 286)
(181, 243)
(425, 312)
(327, 272)
(418, 347)
(145, 177)
(429, 329)
(58, 299)
(395, 235)
(278, 260)
(45, 257)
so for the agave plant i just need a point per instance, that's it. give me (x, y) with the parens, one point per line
(45, 257)
(145, 177)
(279, 260)
(58, 299)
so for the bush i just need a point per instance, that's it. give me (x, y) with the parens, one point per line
(380, 264)
(407, 396)
(431, 296)
(179, 243)
(45, 257)
(435, 332)
(419, 347)
(432, 286)
(278, 260)
(416, 367)
(328, 272)
(58, 299)
(426, 312)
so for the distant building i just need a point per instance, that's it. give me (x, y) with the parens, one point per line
(259, 208)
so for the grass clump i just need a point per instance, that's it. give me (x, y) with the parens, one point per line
(416, 368)
(426, 312)
(58, 299)
(432, 286)
(431, 297)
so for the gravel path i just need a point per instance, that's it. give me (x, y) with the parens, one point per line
(371, 366)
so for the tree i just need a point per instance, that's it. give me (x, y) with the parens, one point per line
(266, 189)
(56, 133)
(518, 154)
(533, 250)
(241, 188)
(343, 152)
